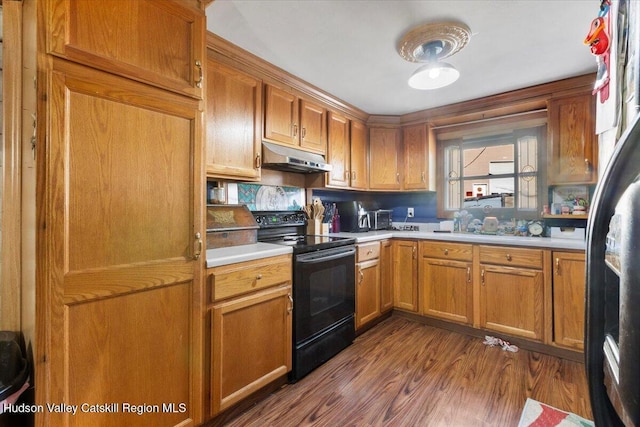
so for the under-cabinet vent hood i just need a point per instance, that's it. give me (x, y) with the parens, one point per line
(292, 160)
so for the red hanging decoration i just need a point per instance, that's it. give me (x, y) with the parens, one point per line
(598, 40)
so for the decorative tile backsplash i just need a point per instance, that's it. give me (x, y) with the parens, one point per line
(259, 197)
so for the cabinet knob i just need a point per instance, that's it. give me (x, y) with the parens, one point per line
(295, 130)
(361, 276)
(304, 132)
(557, 266)
(198, 251)
(290, 309)
(509, 257)
(259, 276)
(482, 276)
(446, 251)
(587, 167)
(258, 161)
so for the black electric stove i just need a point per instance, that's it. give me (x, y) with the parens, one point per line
(289, 228)
(323, 285)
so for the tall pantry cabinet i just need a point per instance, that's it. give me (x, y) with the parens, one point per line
(119, 300)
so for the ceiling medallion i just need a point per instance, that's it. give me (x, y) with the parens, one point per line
(453, 35)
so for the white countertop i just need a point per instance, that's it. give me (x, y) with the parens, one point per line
(234, 254)
(537, 242)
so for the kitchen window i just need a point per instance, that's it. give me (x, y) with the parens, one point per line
(497, 174)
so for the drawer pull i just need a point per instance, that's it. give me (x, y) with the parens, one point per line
(200, 74)
(361, 276)
(290, 309)
(370, 251)
(468, 274)
(259, 276)
(557, 266)
(509, 257)
(482, 276)
(446, 251)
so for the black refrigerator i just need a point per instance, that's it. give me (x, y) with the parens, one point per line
(612, 327)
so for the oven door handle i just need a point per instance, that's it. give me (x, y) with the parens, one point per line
(317, 257)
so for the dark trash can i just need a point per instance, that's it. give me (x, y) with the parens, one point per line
(14, 379)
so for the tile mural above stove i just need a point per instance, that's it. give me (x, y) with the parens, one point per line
(259, 197)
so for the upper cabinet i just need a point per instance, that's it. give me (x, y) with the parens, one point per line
(164, 48)
(339, 154)
(384, 159)
(419, 151)
(291, 120)
(359, 177)
(573, 150)
(234, 121)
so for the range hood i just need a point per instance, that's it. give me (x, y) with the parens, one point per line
(288, 159)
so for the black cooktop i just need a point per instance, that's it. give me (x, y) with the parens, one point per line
(288, 228)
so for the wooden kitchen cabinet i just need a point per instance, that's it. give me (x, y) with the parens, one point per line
(234, 122)
(572, 147)
(405, 275)
(419, 153)
(339, 151)
(385, 157)
(446, 285)
(359, 176)
(386, 276)
(367, 283)
(347, 153)
(512, 292)
(294, 121)
(251, 327)
(568, 299)
(156, 42)
(123, 318)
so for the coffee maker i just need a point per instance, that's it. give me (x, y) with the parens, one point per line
(353, 217)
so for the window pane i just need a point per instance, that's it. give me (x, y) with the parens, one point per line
(478, 161)
(528, 154)
(452, 177)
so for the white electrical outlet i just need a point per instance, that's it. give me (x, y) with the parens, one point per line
(409, 212)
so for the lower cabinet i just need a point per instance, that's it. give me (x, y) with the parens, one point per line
(446, 284)
(367, 283)
(386, 276)
(251, 327)
(512, 291)
(568, 299)
(405, 275)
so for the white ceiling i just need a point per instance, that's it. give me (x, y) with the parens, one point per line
(348, 47)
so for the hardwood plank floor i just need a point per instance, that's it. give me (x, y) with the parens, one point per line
(403, 373)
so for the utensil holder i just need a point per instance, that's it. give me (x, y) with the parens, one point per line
(314, 227)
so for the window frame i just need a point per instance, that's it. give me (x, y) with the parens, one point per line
(494, 138)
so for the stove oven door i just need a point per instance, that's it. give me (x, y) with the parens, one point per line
(323, 291)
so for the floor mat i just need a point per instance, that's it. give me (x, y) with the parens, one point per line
(536, 414)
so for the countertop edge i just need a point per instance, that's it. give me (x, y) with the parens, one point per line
(234, 254)
(533, 242)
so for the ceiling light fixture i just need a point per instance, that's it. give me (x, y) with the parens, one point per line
(430, 43)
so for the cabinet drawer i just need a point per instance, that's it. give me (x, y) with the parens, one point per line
(446, 250)
(511, 256)
(366, 251)
(237, 279)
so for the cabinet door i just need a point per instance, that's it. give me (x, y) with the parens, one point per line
(405, 275)
(250, 345)
(367, 292)
(446, 289)
(359, 155)
(156, 42)
(386, 276)
(313, 124)
(234, 106)
(416, 162)
(280, 116)
(384, 159)
(338, 150)
(568, 299)
(511, 300)
(123, 316)
(573, 144)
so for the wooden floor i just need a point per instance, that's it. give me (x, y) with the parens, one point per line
(403, 373)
